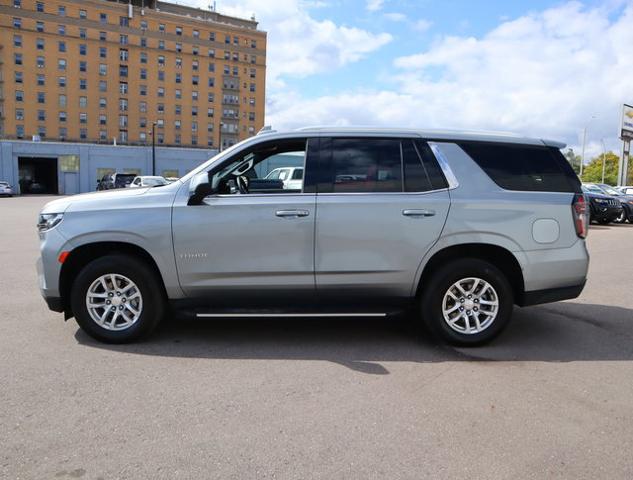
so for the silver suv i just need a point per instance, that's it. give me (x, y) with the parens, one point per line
(458, 227)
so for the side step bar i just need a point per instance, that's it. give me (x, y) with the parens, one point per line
(286, 315)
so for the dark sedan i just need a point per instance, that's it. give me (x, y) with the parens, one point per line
(602, 208)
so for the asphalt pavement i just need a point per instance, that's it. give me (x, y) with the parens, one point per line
(552, 397)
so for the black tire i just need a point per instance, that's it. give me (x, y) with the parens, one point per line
(604, 221)
(436, 287)
(138, 272)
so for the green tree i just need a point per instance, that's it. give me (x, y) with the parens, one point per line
(593, 171)
(573, 159)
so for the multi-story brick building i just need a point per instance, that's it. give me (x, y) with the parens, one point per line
(99, 70)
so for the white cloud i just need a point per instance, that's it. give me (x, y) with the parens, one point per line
(395, 16)
(298, 44)
(422, 25)
(543, 74)
(374, 5)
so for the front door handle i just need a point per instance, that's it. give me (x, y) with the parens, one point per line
(418, 213)
(292, 213)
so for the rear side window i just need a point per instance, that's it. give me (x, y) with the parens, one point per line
(523, 167)
(366, 165)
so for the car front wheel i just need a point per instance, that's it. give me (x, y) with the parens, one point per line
(467, 302)
(117, 299)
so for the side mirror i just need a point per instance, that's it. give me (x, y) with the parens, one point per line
(200, 187)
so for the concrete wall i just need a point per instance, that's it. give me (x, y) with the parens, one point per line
(93, 157)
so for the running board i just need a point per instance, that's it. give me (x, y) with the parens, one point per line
(286, 315)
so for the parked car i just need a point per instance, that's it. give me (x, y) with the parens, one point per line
(292, 177)
(6, 189)
(625, 200)
(625, 190)
(172, 179)
(441, 224)
(603, 208)
(115, 180)
(148, 181)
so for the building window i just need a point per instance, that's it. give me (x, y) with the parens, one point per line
(160, 108)
(83, 14)
(61, 82)
(161, 75)
(122, 105)
(83, 133)
(177, 124)
(143, 42)
(211, 53)
(161, 27)
(209, 127)
(160, 138)
(83, 66)
(178, 62)
(123, 88)
(83, 118)
(69, 163)
(17, 22)
(103, 52)
(161, 92)
(41, 80)
(142, 90)
(161, 61)
(61, 47)
(41, 115)
(142, 107)
(62, 101)
(179, 47)
(195, 50)
(194, 111)
(194, 96)
(212, 67)
(195, 80)
(210, 112)
(19, 131)
(143, 57)
(103, 136)
(195, 65)
(103, 119)
(19, 114)
(236, 41)
(143, 74)
(83, 102)
(103, 18)
(160, 123)
(103, 102)
(17, 58)
(123, 40)
(236, 56)
(82, 33)
(161, 44)
(18, 77)
(40, 62)
(212, 36)
(178, 30)
(103, 86)
(227, 39)
(144, 24)
(211, 82)
(142, 122)
(103, 69)
(17, 40)
(251, 87)
(211, 98)
(253, 43)
(179, 78)
(123, 55)
(123, 70)
(63, 133)
(61, 29)
(142, 136)
(39, 26)
(103, 36)
(124, 22)
(177, 139)
(61, 11)
(62, 117)
(194, 140)
(83, 49)
(41, 131)
(39, 6)
(178, 109)
(123, 121)
(196, 34)
(41, 97)
(83, 84)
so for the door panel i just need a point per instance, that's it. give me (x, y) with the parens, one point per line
(246, 245)
(373, 243)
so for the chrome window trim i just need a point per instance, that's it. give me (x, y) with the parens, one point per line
(444, 165)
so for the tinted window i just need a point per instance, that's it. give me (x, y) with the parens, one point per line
(366, 165)
(415, 176)
(521, 167)
(433, 170)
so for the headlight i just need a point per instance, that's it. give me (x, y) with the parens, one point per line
(600, 200)
(47, 221)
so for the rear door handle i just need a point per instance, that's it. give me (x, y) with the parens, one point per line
(292, 213)
(418, 213)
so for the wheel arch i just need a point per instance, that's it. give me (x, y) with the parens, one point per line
(79, 257)
(499, 256)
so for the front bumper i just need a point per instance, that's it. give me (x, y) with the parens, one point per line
(609, 212)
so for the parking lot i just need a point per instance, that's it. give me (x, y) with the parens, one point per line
(551, 398)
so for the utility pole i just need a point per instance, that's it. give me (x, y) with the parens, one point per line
(153, 148)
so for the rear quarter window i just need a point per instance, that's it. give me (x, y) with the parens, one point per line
(524, 167)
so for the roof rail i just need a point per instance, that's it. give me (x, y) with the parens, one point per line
(266, 129)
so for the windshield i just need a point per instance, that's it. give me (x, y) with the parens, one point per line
(610, 190)
(155, 182)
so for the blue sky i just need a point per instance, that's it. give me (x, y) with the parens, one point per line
(538, 67)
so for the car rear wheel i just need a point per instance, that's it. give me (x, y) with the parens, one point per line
(604, 221)
(467, 302)
(117, 299)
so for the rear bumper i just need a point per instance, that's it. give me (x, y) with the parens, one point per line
(550, 295)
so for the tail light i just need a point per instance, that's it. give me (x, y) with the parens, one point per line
(580, 213)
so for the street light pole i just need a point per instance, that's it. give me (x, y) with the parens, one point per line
(584, 140)
(153, 148)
